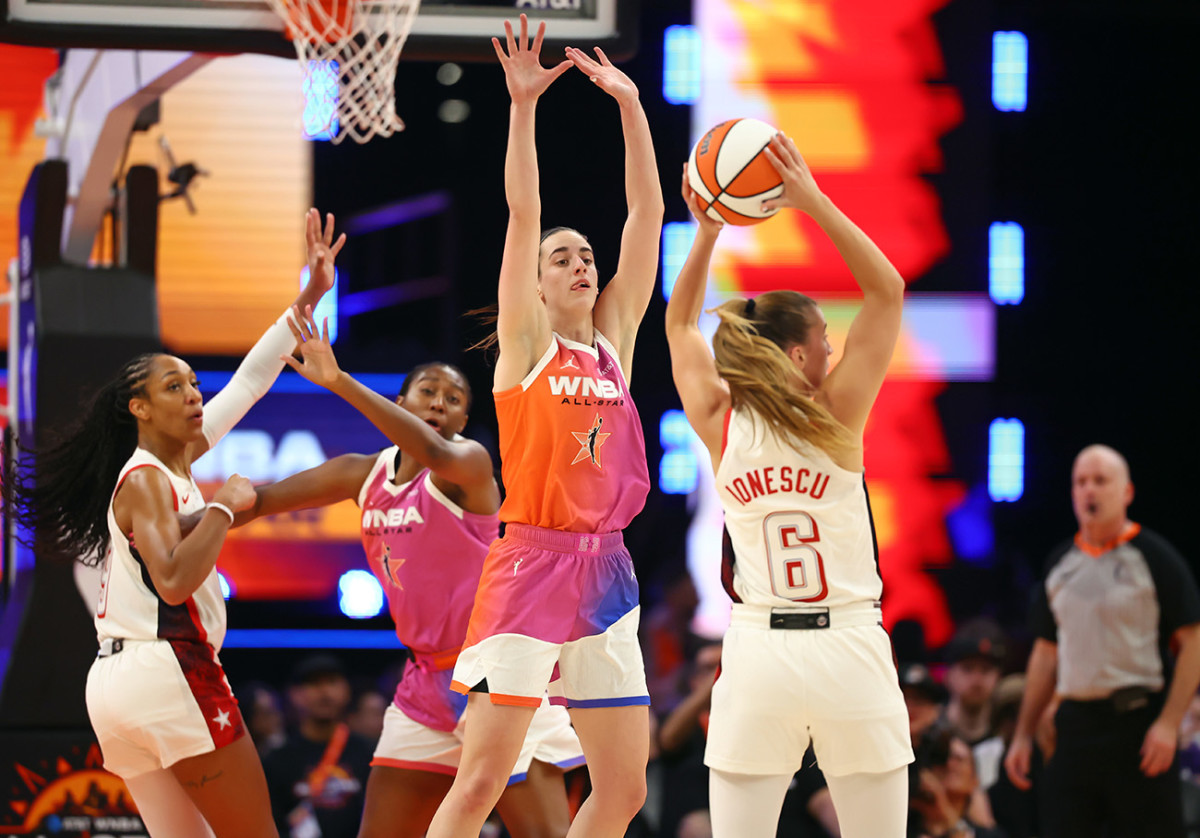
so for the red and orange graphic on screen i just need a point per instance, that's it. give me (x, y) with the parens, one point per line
(854, 84)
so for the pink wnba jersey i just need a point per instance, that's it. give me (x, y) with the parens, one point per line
(130, 608)
(571, 442)
(799, 525)
(427, 553)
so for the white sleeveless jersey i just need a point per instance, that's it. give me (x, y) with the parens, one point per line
(799, 525)
(129, 606)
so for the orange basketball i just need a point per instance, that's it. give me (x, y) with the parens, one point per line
(730, 173)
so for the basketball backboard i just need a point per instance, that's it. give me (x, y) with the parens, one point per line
(443, 29)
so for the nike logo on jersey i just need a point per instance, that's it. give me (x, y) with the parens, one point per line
(590, 442)
(516, 566)
(392, 517)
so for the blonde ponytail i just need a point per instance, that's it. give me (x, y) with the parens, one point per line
(749, 349)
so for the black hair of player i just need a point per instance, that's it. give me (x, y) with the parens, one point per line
(62, 498)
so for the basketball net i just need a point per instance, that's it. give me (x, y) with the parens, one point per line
(348, 50)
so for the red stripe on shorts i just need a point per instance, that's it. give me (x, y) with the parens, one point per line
(207, 682)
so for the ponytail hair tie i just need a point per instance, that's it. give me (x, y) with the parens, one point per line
(749, 312)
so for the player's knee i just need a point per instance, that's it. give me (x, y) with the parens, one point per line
(625, 795)
(479, 790)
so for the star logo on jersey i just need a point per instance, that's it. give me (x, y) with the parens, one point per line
(590, 442)
(389, 563)
(222, 719)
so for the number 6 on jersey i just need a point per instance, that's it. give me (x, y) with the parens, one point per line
(797, 569)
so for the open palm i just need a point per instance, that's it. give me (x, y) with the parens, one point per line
(317, 362)
(604, 75)
(524, 74)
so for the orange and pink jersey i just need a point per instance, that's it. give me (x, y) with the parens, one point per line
(427, 553)
(571, 442)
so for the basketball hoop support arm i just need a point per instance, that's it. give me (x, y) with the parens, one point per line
(98, 98)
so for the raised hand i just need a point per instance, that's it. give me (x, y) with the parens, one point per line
(317, 363)
(703, 219)
(524, 74)
(322, 251)
(800, 191)
(604, 75)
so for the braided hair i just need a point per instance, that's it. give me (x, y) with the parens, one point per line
(62, 498)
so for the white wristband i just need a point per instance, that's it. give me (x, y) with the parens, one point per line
(222, 507)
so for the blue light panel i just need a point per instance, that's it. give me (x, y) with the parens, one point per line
(311, 639)
(226, 588)
(1006, 460)
(678, 471)
(1010, 71)
(681, 65)
(1006, 262)
(320, 100)
(677, 238)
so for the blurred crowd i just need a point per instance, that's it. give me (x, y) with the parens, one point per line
(317, 732)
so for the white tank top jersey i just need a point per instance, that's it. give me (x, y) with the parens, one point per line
(129, 607)
(799, 525)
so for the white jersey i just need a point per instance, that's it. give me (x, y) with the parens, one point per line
(799, 525)
(129, 607)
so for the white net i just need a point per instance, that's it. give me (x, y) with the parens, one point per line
(348, 52)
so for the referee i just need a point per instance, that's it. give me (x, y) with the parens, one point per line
(1113, 603)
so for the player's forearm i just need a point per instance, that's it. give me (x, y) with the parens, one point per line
(643, 192)
(188, 565)
(875, 275)
(521, 183)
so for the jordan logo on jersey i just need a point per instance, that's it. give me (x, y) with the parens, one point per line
(392, 566)
(590, 442)
(570, 363)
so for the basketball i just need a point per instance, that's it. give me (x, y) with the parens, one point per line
(730, 173)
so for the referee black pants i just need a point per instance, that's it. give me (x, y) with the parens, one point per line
(1093, 785)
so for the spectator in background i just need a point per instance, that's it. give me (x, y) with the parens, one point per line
(318, 777)
(263, 714)
(975, 656)
(681, 738)
(924, 697)
(1015, 809)
(664, 635)
(367, 707)
(1114, 599)
(946, 801)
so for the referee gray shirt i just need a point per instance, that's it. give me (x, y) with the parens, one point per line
(1112, 611)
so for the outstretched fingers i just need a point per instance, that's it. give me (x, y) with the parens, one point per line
(537, 39)
(508, 35)
(582, 60)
